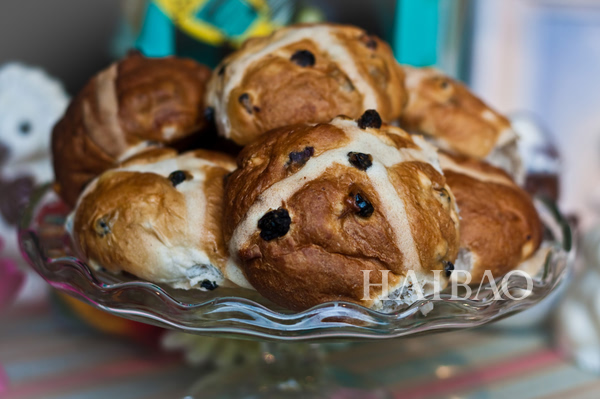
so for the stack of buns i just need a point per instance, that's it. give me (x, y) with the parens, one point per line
(328, 199)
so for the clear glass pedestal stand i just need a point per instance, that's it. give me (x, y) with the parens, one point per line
(285, 370)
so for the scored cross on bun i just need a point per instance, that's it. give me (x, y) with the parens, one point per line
(158, 217)
(499, 225)
(311, 207)
(134, 103)
(307, 73)
(456, 120)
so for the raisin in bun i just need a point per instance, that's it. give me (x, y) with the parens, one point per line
(128, 106)
(457, 121)
(312, 206)
(499, 225)
(306, 73)
(158, 217)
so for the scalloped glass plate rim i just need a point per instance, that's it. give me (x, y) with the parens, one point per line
(272, 324)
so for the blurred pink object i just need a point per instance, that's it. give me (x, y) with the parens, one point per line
(3, 381)
(11, 281)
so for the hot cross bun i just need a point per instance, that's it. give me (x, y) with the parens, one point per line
(133, 103)
(499, 225)
(311, 207)
(158, 217)
(457, 121)
(304, 74)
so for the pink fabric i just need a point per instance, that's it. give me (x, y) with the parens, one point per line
(3, 381)
(11, 280)
(503, 370)
(121, 369)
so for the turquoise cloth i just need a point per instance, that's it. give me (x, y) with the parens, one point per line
(157, 37)
(416, 32)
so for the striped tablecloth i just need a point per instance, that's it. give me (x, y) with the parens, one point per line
(42, 357)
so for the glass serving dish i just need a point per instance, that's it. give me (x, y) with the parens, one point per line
(241, 313)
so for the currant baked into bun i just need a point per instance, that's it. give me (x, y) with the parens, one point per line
(457, 121)
(130, 105)
(307, 73)
(312, 206)
(499, 225)
(158, 217)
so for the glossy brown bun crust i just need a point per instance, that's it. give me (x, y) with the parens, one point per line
(499, 225)
(310, 207)
(157, 216)
(133, 102)
(446, 110)
(304, 74)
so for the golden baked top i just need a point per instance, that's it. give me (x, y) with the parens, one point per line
(446, 110)
(499, 225)
(157, 217)
(310, 207)
(123, 109)
(304, 74)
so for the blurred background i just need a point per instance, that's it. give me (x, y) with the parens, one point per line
(534, 60)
